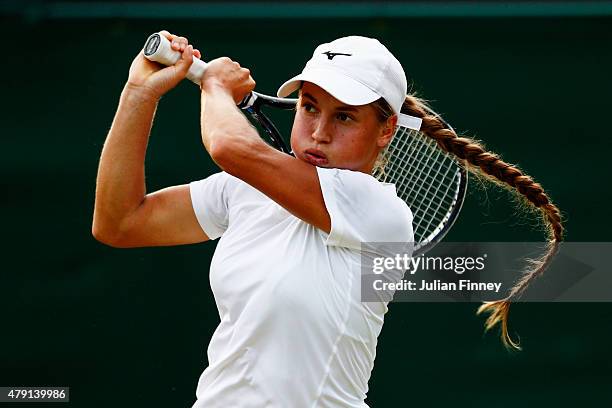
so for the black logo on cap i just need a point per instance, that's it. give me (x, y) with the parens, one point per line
(331, 55)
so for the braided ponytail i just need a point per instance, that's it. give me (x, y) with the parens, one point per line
(478, 160)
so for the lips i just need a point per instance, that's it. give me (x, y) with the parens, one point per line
(315, 157)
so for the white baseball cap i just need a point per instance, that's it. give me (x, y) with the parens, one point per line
(356, 71)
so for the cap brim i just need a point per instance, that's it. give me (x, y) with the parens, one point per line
(341, 87)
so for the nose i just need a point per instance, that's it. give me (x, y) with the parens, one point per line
(322, 133)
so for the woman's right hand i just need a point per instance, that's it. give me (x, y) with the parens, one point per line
(155, 79)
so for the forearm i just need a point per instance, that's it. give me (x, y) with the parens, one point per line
(235, 146)
(120, 185)
(227, 135)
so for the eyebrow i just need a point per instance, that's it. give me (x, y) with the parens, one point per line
(343, 108)
(309, 96)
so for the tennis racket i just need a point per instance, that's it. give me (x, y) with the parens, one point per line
(432, 182)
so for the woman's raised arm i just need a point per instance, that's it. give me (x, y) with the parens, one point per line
(124, 215)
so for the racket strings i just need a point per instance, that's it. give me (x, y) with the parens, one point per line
(426, 177)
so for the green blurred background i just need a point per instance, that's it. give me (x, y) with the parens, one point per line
(131, 327)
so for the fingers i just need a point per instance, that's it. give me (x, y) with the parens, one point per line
(186, 60)
(177, 42)
(251, 83)
(242, 83)
(227, 68)
(167, 34)
(181, 44)
(242, 72)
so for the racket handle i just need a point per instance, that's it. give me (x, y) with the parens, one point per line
(158, 48)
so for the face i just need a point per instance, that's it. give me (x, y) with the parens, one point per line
(329, 133)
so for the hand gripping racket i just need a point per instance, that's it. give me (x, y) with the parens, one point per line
(432, 182)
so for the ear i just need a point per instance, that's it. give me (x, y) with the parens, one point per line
(387, 132)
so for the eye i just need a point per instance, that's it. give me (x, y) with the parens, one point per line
(308, 107)
(344, 117)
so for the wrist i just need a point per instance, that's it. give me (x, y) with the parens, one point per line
(212, 85)
(141, 93)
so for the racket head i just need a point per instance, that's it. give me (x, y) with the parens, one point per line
(431, 181)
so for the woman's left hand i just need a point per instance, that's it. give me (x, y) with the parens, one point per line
(225, 74)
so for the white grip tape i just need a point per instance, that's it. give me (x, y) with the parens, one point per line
(410, 122)
(167, 56)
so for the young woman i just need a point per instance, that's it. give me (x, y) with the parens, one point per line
(285, 274)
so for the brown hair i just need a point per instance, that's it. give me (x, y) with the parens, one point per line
(484, 163)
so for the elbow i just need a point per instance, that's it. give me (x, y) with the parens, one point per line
(231, 153)
(219, 152)
(102, 235)
(106, 235)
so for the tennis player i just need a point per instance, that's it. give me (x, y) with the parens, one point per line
(285, 273)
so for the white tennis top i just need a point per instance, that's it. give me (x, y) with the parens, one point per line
(293, 331)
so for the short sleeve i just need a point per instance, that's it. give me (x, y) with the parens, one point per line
(209, 198)
(363, 210)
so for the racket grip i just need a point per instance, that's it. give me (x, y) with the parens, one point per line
(158, 48)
